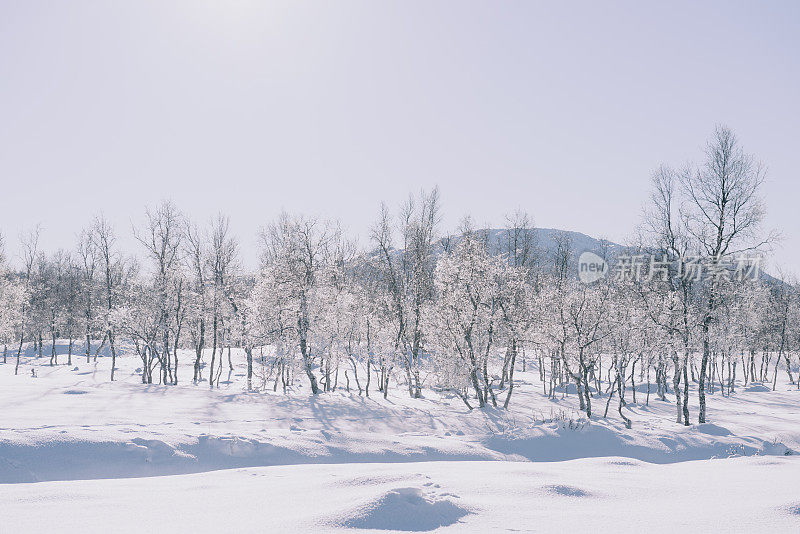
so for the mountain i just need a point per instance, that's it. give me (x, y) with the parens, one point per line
(545, 241)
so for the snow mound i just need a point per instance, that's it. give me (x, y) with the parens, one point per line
(408, 510)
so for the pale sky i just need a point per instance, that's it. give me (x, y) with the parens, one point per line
(328, 108)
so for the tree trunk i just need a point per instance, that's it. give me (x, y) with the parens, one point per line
(676, 385)
(19, 350)
(622, 403)
(113, 354)
(701, 390)
(53, 358)
(511, 364)
(249, 352)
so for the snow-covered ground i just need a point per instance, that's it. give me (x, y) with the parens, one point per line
(756, 494)
(79, 453)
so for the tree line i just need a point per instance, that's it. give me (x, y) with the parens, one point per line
(419, 309)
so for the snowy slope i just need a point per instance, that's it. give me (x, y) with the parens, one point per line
(747, 495)
(70, 424)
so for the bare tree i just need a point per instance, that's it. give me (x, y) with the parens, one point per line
(674, 294)
(87, 253)
(161, 239)
(113, 268)
(782, 301)
(723, 216)
(408, 275)
(296, 254)
(196, 254)
(30, 251)
(223, 265)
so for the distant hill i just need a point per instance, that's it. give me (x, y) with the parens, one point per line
(545, 240)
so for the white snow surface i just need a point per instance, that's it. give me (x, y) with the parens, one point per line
(79, 453)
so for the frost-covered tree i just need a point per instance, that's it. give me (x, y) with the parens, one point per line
(464, 317)
(199, 281)
(723, 218)
(518, 289)
(30, 253)
(115, 271)
(139, 320)
(297, 256)
(161, 239)
(223, 267)
(12, 296)
(88, 267)
(781, 302)
(407, 275)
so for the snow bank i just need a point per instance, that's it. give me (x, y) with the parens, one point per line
(750, 495)
(71, 423)
(407, 509)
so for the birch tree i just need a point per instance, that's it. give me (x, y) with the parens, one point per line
(161, 239)
(723, 216)
(30, 251)
(113, 268)
(296, 254)
(408, 274)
